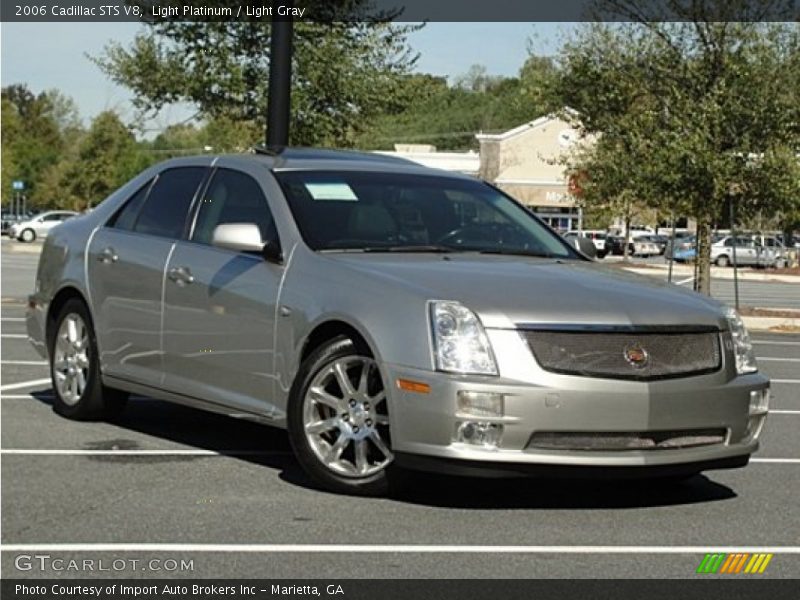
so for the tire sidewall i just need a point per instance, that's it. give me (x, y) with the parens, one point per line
(90, 403)
(335, 349)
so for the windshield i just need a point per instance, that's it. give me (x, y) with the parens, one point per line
(382, 212)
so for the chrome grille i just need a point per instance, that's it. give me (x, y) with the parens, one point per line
(626, 355)
(626, 440)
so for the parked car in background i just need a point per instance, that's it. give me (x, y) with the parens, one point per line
(615, 245)
(9, 218)
(683, 241)
(388, 316)
(638, 246)
(750, 250)
(598, 238)
(39, 226)
(660, 241)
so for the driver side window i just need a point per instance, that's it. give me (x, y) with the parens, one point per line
(232, 197)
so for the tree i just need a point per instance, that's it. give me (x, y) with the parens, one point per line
(107, 157)
(32, 140)
(344, 73)
(686, 101)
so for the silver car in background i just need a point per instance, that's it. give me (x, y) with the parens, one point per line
(389, 316)
(39, 225)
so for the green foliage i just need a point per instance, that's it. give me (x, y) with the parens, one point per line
(343, 73)
(448, 117)
(32, 138)
(680, 110)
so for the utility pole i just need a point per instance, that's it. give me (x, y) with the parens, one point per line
(280, 82)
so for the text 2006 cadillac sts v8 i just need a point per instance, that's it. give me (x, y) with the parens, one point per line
(388, 316)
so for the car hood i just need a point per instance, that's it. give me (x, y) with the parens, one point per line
(506, 291)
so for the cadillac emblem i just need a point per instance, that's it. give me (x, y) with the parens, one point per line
(636, 356)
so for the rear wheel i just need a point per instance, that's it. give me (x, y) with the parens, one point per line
(27, 235)
(722, 261)
(74, 368)
(338, 420)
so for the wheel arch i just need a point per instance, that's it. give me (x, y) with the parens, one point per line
(64, 295)
(329, 329)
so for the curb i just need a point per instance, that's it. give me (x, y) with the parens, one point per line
(773, 324)
(718, 273)
(20, 248)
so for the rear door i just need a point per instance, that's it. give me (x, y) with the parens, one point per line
(219, 308)
(126, 265)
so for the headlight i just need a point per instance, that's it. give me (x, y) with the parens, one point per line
(460, 344)
(742, 346)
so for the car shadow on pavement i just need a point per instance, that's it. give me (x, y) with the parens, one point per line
(269, 447)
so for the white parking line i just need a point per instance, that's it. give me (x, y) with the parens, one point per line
(12, 318)
(776, 359)
(777, 461)
(21, 396)
(784, 412)
(775, 343)
(15, 336)
(784, 380)
(23, 362)
(392, 548)
(180, 452)
(23, 384)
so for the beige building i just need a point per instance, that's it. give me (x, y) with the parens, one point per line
(525, 162)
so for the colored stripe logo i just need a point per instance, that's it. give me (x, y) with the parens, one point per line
(734, 564)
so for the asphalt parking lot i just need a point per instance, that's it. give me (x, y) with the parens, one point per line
(170, 483)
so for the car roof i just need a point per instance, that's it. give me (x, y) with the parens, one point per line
(300, 158)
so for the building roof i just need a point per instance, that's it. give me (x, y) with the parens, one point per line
(497, 137)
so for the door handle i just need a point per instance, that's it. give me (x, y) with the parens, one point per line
(108, 255)
(181, 275)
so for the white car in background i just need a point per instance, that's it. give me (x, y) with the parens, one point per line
(757, 251)
(645, 248)
(38, 226)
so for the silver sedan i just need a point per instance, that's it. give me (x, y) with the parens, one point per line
(390, 317)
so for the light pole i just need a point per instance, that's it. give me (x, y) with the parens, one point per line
(280, 83)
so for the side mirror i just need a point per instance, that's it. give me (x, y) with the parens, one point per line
(242, 237)
(584, 245)
(246, 237)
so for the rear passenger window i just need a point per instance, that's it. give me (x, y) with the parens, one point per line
(126, 216)
(232, 197)
(164, 212)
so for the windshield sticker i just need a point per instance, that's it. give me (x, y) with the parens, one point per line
(331, 191)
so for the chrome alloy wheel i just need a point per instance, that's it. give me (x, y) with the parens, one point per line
(345, 417)
(71, 361)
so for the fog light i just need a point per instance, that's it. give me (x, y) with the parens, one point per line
(480, 404)
(759, 402)
(480, 434)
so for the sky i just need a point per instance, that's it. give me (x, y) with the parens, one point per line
(54, 55)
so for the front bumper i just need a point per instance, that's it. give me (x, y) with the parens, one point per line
(425, 425)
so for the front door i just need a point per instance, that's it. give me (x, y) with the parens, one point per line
(219, 305)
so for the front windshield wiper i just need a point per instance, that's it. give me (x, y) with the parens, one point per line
(519, 252)
(418, 248)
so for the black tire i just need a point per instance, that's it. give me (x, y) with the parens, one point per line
(27, 236)
(96, 401)
(378, 484)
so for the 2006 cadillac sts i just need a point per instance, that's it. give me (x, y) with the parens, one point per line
(388, 316)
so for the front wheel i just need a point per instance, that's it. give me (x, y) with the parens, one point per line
(75, 368)
(338, 420)
(27, 235)
(722, 261)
